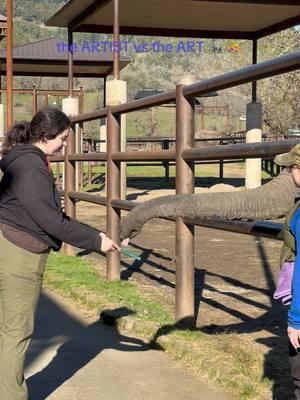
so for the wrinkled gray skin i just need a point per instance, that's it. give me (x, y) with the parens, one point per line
(270, 201)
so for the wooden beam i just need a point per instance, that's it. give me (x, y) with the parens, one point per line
(263, 2)
(81, 63)
(190, 33)
(42, 92)
(88, 12)
(58, 74)
(288, 23)
(109, 72)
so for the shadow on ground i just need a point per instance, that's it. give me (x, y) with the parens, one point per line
(75, 344)
(272, 320)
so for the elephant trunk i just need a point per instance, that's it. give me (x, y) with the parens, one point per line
(272, 200)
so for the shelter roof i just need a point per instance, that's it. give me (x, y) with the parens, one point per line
(235, 19)
(46, 58)
(150, 92)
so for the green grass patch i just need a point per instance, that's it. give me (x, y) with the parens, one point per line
(76, 278)
(227, 359)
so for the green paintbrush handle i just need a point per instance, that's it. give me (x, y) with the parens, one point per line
(131, 255)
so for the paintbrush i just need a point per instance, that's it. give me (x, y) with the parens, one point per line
(131, 255)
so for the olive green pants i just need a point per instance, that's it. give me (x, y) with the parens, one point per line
(21, 274)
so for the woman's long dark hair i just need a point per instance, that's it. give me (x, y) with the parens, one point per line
(46, 124)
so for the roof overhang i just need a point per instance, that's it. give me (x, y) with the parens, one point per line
(57, 68)
(42, 58)
(238, 19)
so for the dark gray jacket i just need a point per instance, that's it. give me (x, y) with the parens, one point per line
(30, 202)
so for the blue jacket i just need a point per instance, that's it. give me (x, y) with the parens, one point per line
(294, 311)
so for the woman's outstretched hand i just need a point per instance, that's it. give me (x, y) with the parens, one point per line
(107, 244)
(294, 336)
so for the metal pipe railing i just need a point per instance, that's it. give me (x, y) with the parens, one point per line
(228, 152)
(266, 229)
(57, 158)
(186, 154)
(90, 116)
(233, 151)
(249, 74)
(163, 139)
(89, 198)
(88, 157)
(265, 69)
(161, 155)
(43, 92)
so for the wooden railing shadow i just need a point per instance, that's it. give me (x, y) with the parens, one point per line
(273, 319)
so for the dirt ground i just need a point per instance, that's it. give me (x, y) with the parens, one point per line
(235, 277)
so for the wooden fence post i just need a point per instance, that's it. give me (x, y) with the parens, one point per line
(185, 127)
(69, 184)
(113, 192)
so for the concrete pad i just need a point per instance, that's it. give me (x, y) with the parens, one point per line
(71, 357)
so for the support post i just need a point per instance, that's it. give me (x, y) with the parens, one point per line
(253, 165)
(116, 23)
(116, 91)
(9, 64)
(70, 63)
(70, 175)
(254, 61)
(34, 102)
(202, 125)
(254, 109)
(113, 192)
(221, 165)
(79, 164)
(90, 164)
(185, 132)
(166, 164)
(57, 171)
(104, 91)
(254, 131)
(117, 94)
(69, 167)
(69, 184)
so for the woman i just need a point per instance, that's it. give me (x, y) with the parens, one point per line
(31, 224)
(290, 252)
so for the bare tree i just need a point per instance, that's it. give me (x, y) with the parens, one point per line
(280, 95)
